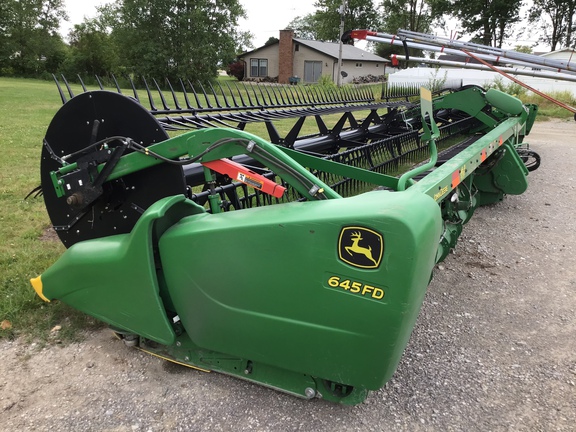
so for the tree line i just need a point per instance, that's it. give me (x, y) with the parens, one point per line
(488, 22)
(193, 38)
(157, 38)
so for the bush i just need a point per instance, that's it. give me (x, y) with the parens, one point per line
(435, 82)
(236, 70)
(326, 81)
(508, 87)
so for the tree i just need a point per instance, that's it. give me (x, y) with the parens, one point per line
(244, 41)
(556, 19)
(31, 44)
(324, 24)
(271, 41)
(523, 49)
(175, 38)
(6, 45)
(305, 27)
(413, 15)
(489, 21)
(92, 51)
(358, 14)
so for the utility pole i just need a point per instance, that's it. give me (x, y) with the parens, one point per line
(342, 11)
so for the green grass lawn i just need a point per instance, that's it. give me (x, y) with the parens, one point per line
(26, 108)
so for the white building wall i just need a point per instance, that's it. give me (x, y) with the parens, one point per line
(357, 69)
(305, 54)
(270, 53)
(354, 68)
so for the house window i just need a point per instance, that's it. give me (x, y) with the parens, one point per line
(297, 47)
(258, 67)
(358, 65)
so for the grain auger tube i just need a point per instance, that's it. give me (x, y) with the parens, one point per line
(507, 63)
(314, 287)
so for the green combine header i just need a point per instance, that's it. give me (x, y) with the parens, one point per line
(296, 262)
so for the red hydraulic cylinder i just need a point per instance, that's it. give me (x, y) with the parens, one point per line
(242, 174)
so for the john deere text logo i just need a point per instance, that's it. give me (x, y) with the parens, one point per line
(360, 247)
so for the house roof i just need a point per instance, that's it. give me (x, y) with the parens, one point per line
(563, 50)
(349, 52)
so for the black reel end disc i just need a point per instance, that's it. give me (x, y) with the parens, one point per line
(82, 121)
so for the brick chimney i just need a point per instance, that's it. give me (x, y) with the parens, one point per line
(285, 56)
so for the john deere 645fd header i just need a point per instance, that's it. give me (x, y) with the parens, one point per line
(299, 265)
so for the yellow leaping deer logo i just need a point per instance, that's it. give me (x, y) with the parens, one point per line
(356, 248)
(361, 247)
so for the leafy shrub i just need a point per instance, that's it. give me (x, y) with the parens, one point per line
(508, 87)
(326, 81)
(236, 70)
(435, 82)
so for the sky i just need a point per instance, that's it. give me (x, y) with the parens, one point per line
(265, 18)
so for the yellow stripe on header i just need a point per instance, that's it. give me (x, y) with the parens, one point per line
(425, 94)
(37, 285)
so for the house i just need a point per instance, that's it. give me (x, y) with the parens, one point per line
(566, 54)
(307, 60)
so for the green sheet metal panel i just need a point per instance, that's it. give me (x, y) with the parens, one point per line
(114, 278)
(270, 285)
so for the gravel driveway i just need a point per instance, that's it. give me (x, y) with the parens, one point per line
(494, 347)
